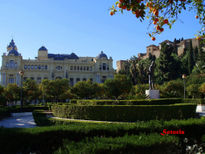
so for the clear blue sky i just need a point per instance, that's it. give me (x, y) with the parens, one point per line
(81, 26)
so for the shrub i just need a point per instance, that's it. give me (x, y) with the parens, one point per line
(152, 143)
(174, 88)
(41, 118)
(49, 139)
(193, 91)
(125, 112)
(164, 101)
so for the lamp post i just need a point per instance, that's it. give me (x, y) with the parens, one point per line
(21, 73)
(184, 77)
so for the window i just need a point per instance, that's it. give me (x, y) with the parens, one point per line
(59, 68)
(91, 68)
(87, 68)
(71, 81)
(71, 67)
(36, 67)
(28, 66)
(25, 67)
(103, 79)
(84, 79)
(11, 64)
(104, 66)
(46, 67)
(74, 67)
(81, 68)
(91, 79)
(38, 79)
(39, 67)
(32, 78)
(25, 78)
(31, 66)
(84, 68)
(45, 78)
(11, 80)
(42, 67)
(77, 80)
(78, 68)
(7, 65)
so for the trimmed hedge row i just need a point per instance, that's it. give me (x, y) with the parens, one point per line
(41, 118)
(163, 101)
(49, 139)
(146, 144)
(4, 112)
(125, 112)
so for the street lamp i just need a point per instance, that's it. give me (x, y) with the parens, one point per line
(184, 77)
(21, 73)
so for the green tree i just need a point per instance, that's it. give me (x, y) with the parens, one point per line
(167, 66)
(133, 69)
(174, 88)
(54, 89)
(119, 86)
(193, 91)
(2, 96)
(86, 89)
(142, 71)
(12, 93)
(190, 58)
(202, 88)
(31, 90)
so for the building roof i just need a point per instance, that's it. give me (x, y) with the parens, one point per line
(152, 45)
(42, 48)
(12, 44)
(102, 55)
(13, 52)
(63, 56)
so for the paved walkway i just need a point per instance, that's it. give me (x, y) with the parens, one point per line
(19, 120)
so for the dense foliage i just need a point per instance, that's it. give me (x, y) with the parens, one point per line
(125, 112)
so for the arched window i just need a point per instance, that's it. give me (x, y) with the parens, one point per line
(11, 64)
(104, 66)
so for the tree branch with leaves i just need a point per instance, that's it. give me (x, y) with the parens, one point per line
(162, 13)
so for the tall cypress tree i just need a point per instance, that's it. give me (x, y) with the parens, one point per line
(167, 67)
(190, 57)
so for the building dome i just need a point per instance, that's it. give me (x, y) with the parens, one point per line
(102, 55)
(11, 46)
(42, 49)
(13, 52)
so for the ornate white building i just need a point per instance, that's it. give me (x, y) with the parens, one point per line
(53, 66)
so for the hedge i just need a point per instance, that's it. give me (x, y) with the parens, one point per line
(41, 118)
(125, 112)
(49, 139)
(4, 112)
(164, 101)
(146, 144)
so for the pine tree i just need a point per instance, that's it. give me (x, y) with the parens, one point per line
(167, 67)
(190, 58)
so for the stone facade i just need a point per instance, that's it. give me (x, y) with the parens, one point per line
(181, 47)
(54, 66)
(122, 65)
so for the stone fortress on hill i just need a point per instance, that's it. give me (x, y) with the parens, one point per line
(54, 66)
(180, 45)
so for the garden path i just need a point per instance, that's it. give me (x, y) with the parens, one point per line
(19, 120)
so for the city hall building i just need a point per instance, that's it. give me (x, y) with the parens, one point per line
(54, 66)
